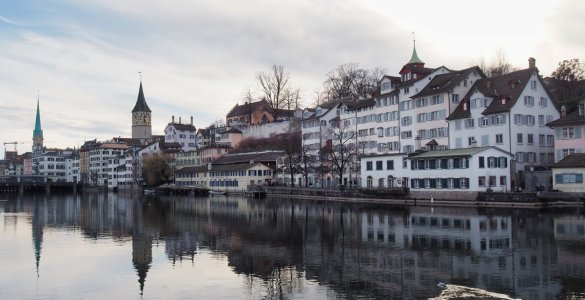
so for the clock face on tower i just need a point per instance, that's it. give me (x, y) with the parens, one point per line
(140, 119)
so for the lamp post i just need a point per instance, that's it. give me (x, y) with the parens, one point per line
(532, 178)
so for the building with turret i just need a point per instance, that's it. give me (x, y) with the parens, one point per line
(37, 148)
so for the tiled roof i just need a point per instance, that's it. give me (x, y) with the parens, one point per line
(575, 160)
(446, 82)
(113, 146)
(453, 152)
(192, 169)
(572, 118)
(246, 108)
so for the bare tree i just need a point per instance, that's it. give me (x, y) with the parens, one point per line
(499, 64)
(349, 80)
(276, 90)
(308, 162)
(340, 149)
(291, 143)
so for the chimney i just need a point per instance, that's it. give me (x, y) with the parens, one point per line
(488, 83)
(464, 105)
(531, 63)
(563, 111)
(173, 120)
(179, 120)
(191, 120)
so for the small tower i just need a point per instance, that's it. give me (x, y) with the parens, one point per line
(37, 148)
(141, 126)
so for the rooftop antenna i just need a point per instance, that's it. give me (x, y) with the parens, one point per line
(413, 39)
(140, 75)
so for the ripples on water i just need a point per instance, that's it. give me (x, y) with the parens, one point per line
(114, 245)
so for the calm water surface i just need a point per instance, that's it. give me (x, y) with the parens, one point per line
(98, 246)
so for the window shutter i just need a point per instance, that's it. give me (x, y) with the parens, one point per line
(579, 178)
(557, 133)
(577, 132)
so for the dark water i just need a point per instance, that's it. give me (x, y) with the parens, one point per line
(100, 246)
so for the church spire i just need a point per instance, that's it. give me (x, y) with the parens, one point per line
(141, 102)
(414, 59)
(37, 148)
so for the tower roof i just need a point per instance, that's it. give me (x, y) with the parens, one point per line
(38, 131)
(414, 59)
(141, 102)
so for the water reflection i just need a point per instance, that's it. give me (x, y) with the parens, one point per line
(287, 249)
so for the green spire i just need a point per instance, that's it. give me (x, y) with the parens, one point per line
(414, 59)
(38, 132)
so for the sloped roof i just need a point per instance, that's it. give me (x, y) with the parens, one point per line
(506, 87)
(575, 160)
(196, 169)
(233, 130)
(141, 102)
(234, 167)
(454, 152)
(572, 118)
(462, 111)
(267, 156)
(179, 126)
(446, 82)
(246, 108)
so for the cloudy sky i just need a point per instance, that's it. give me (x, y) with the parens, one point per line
(198, 57)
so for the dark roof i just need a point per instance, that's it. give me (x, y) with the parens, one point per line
(179, 126)
(128, 141)
(233, 130)
(392, 78)
(454, 152)
(575, 160)
(446, 82)
(192, 169)
(462, 111)
(433, 142)
(572, 118)
(234, 167)
(246, 108)
(423, 72)
(505, 89)
(141, 102)
(268, 156)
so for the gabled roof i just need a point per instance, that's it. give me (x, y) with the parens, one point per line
(233, 130)
(505, 89)
(443, 83)
(246, 108)
(141, 102)
(575, 160)
(234, 167)
(196, 169)
(454, 152)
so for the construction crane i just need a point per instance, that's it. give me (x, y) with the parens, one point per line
(11, 143)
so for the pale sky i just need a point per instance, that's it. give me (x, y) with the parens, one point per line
(198, 57)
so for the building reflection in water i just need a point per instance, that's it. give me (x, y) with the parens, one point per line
(354, 251)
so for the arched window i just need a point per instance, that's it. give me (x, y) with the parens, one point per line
(390, 181)
(370, 182)
(381, 182)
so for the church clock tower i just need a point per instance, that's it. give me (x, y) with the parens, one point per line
(141, 126)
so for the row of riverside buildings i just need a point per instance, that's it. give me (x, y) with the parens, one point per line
(433, 130)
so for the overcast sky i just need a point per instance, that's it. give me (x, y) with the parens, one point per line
(198, 57)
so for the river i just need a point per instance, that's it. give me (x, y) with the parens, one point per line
(124, 246)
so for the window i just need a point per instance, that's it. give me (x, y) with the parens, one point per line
(481, 181)
(369, 166)
(519, 138)
(528, 100)
(370, 181)
(530, 139)
(543, 102)
(568, 132)
(499, 138)
(469, 123)
(533, 84)
(540, 120)
(492, 181)
(481, 162)
(471, 141)
(550, 140)
(389, 165)
(569, 178)
(492, 162)
(455, 98)
(503, 181)
(379, 165)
